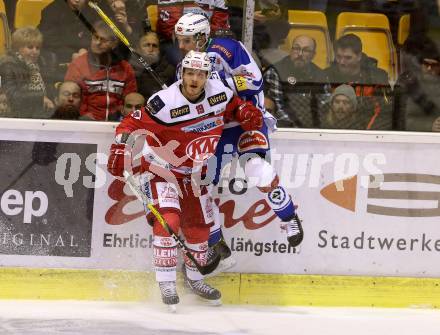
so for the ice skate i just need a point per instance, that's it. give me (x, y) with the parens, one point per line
(226, 262)
(169, 295)
(208, 294)
(295, 233)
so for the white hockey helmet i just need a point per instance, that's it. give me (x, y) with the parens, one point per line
(197, 60)
(192, 24)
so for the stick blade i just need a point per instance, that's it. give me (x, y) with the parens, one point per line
(210, 267)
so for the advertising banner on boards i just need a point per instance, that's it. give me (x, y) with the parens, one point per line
(37, 217)
(369, 204)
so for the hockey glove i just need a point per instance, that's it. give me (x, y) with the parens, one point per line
(249, 116)
(116, 160)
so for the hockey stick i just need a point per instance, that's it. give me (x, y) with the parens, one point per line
(203, 269)
(124, 40)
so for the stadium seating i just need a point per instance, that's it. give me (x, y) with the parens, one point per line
(313, 24)
(403, 31)
(5, 35)
(374, 31)
(153, 16)
(28, 12)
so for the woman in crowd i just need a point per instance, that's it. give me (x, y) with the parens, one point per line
(22, 79)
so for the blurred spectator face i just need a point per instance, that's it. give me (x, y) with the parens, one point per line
(76, 4)
(341, 107)
(348, 61)
(30, 52)
(132, 102)
(118, 6)
(149, 48)
(69, 95)
(4, 107)
(303, 51)
(187, 43)
(430, 67)
(103, 41)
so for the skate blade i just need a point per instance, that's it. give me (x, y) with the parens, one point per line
(172, 308)
(225, 264)
(212, 303)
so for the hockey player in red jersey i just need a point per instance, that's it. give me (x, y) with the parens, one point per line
(187, 117)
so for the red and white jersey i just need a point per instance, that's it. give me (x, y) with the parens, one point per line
(170, 11)
(182, 135)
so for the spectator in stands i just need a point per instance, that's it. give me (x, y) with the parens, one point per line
(353, 66)
(104, 78)
(66, 27)
(343, 110)
(149, 48)
(68, 101)
(132, 102)
(21, 78)
(289, 79)
(418, 89)
(5, 111)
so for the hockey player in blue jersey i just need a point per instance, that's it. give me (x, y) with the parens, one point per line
(233, 64)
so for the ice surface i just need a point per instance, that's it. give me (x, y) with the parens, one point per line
(114, 318)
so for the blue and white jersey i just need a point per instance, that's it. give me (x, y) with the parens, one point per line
(232, 63)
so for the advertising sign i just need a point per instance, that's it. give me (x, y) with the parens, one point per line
(37, 217)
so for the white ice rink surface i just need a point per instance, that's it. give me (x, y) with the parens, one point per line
(111, 318)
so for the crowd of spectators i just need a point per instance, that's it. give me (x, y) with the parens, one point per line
(72, 66)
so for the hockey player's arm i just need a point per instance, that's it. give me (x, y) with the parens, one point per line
(120, 151)
(245, 77)
(245, 113)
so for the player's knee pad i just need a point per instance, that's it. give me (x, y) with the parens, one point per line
(172, 219)
(259, 172)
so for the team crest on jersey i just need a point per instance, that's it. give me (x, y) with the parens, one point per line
(200, 109)
(204, 126)
(251, 140)
(180, 111)
(202, 148)
(155, 105)
(217, 99)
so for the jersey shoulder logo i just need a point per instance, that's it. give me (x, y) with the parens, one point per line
(217, 99)
(155, 105)
(180, 111)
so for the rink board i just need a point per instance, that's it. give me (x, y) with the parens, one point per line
(242, 289)
(368, 241)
